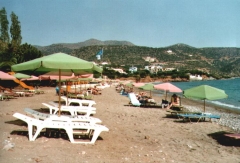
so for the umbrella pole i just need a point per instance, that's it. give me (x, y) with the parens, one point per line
(166, 96)
(204, 106)
(59, 95)
(67, 92)
(75, 87)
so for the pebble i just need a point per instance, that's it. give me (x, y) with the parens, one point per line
(230, 120)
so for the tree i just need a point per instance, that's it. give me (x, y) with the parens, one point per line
(12, 52)
(143, 74)
(27, 52)
(8, 58)
(4, 35)
(15, 31)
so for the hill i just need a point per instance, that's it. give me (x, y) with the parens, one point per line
(218, 61)
(90, 42)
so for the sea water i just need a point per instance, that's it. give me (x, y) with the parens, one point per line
(230, 86)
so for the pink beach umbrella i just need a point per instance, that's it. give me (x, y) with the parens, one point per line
(86, 76)
(167, 87)
(55, 77)
(6, 76)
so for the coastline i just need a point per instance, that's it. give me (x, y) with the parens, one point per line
(136, 134)
(228, 115)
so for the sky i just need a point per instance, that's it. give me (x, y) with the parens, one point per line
(150, 23)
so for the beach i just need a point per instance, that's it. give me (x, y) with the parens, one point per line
(136, 134)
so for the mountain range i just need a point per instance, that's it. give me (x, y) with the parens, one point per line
(90, 42)
(222, 61)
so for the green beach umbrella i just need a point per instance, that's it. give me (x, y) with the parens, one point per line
(147, 87)
(129, 84)
(60, 62)
(85, 79)
(138, 84)
(21, 76)
(205, 92)
(57, 61)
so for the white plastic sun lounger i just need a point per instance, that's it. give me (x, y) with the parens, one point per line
(83, 103)
(68, 118)
(73, 110)
(133, 99)
(71, 128)
(80, 103)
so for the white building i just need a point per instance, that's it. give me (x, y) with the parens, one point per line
(169, 52)
(169, 69)
(195, 77)
(153, 68)
(133, 69)
(149, 59)
(147, 68)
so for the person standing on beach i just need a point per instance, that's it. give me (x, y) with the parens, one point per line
(57, 90)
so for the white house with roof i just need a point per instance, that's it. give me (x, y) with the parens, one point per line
(147, 68)
(133, 69)
(169, 69)
(149, 59)
(153, 68)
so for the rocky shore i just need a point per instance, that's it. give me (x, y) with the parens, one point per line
(229, 118)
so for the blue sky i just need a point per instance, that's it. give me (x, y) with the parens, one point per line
(151, 23)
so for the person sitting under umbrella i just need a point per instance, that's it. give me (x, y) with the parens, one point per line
(150, 100)
(175, 101)
(95, 90)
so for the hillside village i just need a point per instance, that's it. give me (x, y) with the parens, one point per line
(153, 67)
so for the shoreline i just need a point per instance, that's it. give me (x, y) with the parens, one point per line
(231, 104)
(228, 115)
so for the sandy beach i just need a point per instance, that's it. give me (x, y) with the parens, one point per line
(136, 134)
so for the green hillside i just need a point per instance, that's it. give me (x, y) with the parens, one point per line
(219, 61)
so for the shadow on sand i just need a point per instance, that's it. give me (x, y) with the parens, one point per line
(224, 140)
(48, 133)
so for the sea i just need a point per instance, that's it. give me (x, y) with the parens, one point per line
(230, 86)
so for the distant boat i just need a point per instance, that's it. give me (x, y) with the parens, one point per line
(195, 77)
